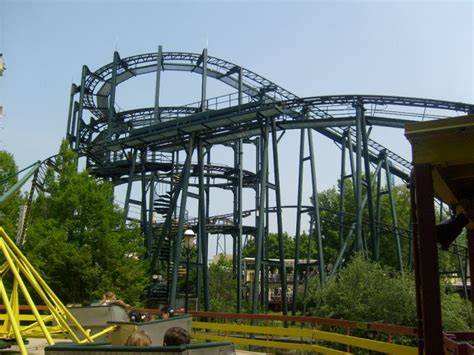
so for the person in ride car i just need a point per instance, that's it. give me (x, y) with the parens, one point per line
(138, 338)
(110, 298)
(176, 336)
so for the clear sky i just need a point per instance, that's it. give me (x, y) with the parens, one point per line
(408, 48)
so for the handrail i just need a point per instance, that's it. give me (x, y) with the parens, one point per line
(348, 324)
(304, 338)
(454, 342)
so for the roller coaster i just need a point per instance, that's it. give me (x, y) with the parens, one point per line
(165, 156)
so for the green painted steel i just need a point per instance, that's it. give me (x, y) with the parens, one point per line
(113, 143)
(16, 187)
(261, 214)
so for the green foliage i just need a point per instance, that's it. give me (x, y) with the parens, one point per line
(329, 203)
(9, 209)
(222, 286)
(456, 312)
(271, 246)
(8, 170)
(365, 291)
(77, 237)
(368, 292)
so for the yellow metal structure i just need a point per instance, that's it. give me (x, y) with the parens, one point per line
(447, 145)
(18, 281)
(234, 333)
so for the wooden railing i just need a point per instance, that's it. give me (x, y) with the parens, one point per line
(457, 343)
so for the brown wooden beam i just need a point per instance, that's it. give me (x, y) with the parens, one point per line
(416, 262)
(470, 245)
(427, 265)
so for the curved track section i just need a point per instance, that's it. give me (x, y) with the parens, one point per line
(168, 151)
(255, 87)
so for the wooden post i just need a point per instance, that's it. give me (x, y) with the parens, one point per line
(427, 265)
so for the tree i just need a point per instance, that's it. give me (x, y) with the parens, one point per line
(369, 292)
(329, 201)
(222, 286)
(9, 209)
(78, 239)
(272, 246)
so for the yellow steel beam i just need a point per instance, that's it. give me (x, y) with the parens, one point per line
(14, 300)
(24, 317)
(17, 265)
(24, 290)
(45, 319)
(54, 304)
(103, 332)
(15, 326)
(4, 268)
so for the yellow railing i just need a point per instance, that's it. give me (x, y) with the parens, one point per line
(308, 338)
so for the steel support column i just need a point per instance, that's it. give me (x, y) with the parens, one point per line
(261, 219)
(410, 249)
(394, 215)
(258, 175)
(70, 128)
(202, 234)
(240, 219)
(113, 86)
(159, 60)
(207, 189)
(351, 231)
(235, 207)
(342, 190)
(240, 178)
(457, 251)
(370, 200)
(143, 208)
(306, 274)
(358, 178)
(133, 159)
(204, 80)
(85, 72)
(281, 244)
(182, 214)
(74, 120)
(378, 213)
(298, 223)
(317, 220)
(151, 198)
(265, 245)
(75, 113)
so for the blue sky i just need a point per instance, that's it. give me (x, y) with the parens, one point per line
(421, 49)
(408, 48)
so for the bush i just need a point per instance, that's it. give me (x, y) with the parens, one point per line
(368, 292)
(222, 286)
